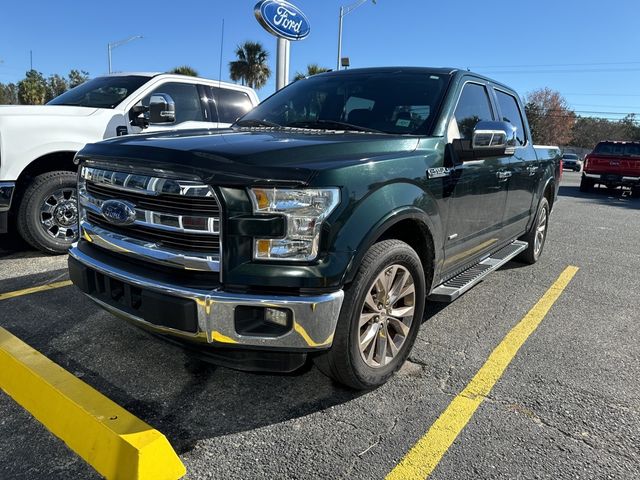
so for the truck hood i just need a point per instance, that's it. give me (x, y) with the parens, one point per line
(46, 110)
(242, 157)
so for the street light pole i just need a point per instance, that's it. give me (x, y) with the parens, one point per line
(344, 11)
(111, 46)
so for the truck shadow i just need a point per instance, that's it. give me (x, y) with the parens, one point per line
(602, 196)
(11, 244)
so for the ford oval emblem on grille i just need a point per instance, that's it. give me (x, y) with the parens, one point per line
(118, 212)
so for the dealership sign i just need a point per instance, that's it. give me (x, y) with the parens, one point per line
(282, 19)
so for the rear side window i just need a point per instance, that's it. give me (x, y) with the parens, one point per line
(473, 107)
(232, 104)
(511, 113)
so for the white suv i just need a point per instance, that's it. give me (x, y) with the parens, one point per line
(38, 143)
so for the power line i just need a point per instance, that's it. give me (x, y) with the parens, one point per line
(581, 70)
(557, 65)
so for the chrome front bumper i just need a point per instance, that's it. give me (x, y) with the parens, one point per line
(314, 317)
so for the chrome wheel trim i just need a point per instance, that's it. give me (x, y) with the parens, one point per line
(541, 231)
(386, 316)
(59, 215)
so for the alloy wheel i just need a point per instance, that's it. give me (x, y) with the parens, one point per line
(386, 316)
(59, 215)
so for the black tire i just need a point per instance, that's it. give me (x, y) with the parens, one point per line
(49, 191)
(533, 252)
(344, 361)
(586, 184)
(635, 192)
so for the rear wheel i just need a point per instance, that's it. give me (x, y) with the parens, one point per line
(380, 317)
(537, 235)
(586, 184)
(48, 213)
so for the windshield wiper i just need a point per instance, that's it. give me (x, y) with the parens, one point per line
(254, 122)
(327, 124)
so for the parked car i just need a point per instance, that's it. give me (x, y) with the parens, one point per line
(571, 161)
(613, 164)
(38, 143)
(320, 223)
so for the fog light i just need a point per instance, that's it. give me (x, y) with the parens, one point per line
(277, 316)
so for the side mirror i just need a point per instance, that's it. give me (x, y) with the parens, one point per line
(489, 139)
(162, 108)
(137, 116)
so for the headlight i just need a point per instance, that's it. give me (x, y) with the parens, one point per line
(304, 209)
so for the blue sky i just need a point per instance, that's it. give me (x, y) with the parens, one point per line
(597, 42)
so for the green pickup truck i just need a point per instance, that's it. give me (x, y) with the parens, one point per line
(320, 223)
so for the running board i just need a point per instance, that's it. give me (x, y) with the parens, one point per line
(453, 288)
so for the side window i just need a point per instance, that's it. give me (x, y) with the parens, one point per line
(473, 107)
(186, 98)
(511, 113)
(232, 104)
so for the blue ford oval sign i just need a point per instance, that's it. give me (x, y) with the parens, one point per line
(118, 212)
(282, 19)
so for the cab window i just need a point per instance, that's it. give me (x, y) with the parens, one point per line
(186, 98)
(473, 106)
(511, 113)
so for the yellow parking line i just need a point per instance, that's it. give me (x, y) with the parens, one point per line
(115, 443)
(425, 455)
(41, 288)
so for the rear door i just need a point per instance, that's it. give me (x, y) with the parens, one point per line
(478, 188)
(523, 165)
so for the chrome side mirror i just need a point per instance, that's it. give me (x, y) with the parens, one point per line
(162, 108)
(494, 139)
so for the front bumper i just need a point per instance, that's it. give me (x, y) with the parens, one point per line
(205, 317)
(6, 194)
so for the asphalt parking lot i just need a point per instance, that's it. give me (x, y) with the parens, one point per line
(568, 406)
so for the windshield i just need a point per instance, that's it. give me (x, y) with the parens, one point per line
(388, 102)
(570, 156)
(101, 92)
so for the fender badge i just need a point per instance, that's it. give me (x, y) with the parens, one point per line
(438, 172)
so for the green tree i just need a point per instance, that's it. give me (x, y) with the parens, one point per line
(56, 85)
(32, 90)
(8, 94)
(312, 69)
(251, 66)
(185, 70)
(77, 77)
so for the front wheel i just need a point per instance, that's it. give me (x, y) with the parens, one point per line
(48, 213)
(537, 235)
(380, 317)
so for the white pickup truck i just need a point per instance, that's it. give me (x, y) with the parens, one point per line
(38, 143)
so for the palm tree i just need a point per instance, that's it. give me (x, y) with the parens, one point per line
(312, 69)
(251, 66)
(185, 70)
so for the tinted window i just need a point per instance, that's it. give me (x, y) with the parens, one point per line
(612, 148)
(186, 98)
(391, 102)
(511, 113)
(232, 104)
(473, 107)
(101, 92)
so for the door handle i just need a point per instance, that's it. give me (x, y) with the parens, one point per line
(532, 170)
(503, 175)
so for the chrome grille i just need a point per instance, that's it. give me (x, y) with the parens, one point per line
(177, 222)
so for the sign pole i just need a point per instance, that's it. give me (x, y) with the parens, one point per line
(281, 60)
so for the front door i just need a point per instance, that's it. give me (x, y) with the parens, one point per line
(190, 110)
(477, 188)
